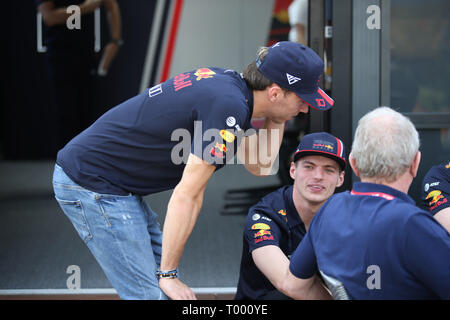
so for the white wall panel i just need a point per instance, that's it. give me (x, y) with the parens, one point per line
(220, 33)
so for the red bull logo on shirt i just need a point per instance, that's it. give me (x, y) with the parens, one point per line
(204, 73)
(261, 233)
(436, 199)
(221, 147)
(435, 196)
(219, 150)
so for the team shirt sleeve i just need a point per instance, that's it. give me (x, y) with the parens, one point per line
(303, 263)
(436, 189)
(427, 251)
(260, 231)
(218, 130)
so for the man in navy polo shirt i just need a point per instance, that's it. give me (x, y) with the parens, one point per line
(276, 225)
(175, 135)
(373, 242)
(436, 193)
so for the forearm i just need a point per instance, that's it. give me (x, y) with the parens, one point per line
(317, 291)
(58, 16)
(114, 19)
(271, 261)
(304, 289)
(182, 213)
(443, 217)
(260, 154)
(55, 17)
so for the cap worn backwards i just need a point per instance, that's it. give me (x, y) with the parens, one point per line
(297, 68)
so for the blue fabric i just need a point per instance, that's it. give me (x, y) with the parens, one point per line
(135, 146)
(272, 221)
(436, 188)
(122, 232)
(377, 227)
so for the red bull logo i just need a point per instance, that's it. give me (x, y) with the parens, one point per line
(447, 166)
(261, 233)
(326, 146)
(435, 196)
(282, 212)
(218, 150)
(263, 238)
(221, 147)
(436, 199)
(204, 73)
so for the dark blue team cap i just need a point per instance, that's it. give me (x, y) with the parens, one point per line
(297, 68)
(322, 144)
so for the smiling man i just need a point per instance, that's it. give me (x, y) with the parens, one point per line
(276, 225)
(102, 174)
(373, 242)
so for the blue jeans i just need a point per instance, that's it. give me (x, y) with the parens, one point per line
(122, 232)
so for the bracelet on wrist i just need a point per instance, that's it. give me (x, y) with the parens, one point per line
(167, 274)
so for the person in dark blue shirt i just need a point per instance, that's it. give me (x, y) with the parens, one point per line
(72, 62)
(436, 193)
(276, 225)
(373, 242)
(174, 136)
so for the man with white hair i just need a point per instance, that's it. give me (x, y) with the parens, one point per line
(373, 242)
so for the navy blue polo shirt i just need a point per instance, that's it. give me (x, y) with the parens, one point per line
(141, 146)
(436, 188)
(378, 244)
(272, 221)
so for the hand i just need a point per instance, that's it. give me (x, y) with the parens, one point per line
(109, 53)
(89, 6)
(176, 290)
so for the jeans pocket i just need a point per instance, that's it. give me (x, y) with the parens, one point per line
(75, 212)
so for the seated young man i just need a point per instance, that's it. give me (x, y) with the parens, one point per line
(276, 225)
(436, 192)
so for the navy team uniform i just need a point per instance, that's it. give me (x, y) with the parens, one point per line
(129, 148)
(436, 188)
(377, 227)
(272, 221)
(140, 147)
